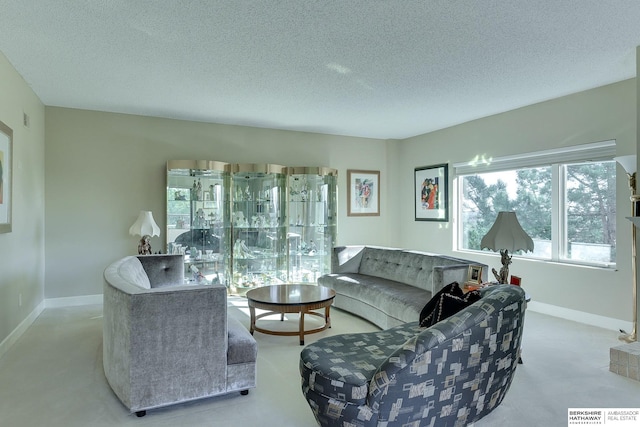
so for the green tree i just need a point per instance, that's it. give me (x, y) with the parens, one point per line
(590, 204)
(481, 206)
(533, 201)
(591, 207)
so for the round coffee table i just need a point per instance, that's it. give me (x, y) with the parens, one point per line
(290, 299)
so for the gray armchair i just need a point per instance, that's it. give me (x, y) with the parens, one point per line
(165, 342)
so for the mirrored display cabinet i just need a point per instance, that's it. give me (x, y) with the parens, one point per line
(313, 223)
(258, 228)
(198, 217)
(248, 225)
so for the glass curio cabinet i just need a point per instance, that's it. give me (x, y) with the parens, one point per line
(258, 226)
(312, 222)
(198, 218)
(249, 225)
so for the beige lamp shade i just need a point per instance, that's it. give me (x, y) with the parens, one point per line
(507, 233)
(145, 225)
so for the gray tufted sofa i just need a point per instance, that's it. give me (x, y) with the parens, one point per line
(451, 374)
(389, 286)
(165, 342)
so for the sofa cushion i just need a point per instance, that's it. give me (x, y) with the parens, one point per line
(132, 272)
(447, 302)
(394, 299)
(342, 366)
(242, 346)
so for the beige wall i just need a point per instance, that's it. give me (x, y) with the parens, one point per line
(103, 168)
(600, 114)
(22, 251)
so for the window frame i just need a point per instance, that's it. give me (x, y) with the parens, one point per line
(556, 159)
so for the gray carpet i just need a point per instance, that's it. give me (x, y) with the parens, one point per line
(53, 377)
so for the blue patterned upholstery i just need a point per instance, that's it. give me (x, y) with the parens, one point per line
(450, 374)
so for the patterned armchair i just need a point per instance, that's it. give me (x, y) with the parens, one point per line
(450, 374)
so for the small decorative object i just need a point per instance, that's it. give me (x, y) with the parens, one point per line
(312, 248)
(195, 274)
(145, 227)
(194, 190)
(431, 190)
(363, 193)
(506, 235)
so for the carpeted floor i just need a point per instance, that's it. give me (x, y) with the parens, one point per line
(53, 377)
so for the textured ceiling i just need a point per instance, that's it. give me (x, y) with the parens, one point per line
(371, 68)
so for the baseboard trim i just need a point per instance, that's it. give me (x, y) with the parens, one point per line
(73, 301)
(580, 316)
(22, 327)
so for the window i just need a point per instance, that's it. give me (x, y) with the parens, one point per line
(567, 207)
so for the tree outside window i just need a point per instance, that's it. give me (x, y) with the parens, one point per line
(586, 205)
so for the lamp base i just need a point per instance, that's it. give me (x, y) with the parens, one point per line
(144, 246)
(503, 276)
(628, 337)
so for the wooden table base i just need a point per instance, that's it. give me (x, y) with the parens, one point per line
(302, 309)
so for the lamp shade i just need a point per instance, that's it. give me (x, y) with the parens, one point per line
(506, 233)
(629, 163)
(145, 225)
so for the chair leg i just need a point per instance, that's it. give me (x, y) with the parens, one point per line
(244, 392)
(140, 414)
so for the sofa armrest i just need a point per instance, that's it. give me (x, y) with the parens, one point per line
(346, 259)
(164, 345)
(445, 274)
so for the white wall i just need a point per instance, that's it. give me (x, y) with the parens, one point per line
(600, 114)
(103, 168)
(22, 251)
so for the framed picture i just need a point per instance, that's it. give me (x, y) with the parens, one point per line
(432, 193)
(6, 174)
(363, 193)
(474, 278)
(475, 274)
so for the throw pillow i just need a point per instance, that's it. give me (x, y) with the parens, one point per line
(447, 302)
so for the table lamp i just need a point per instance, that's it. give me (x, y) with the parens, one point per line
(629, 163)
(506, 235)
(145, 227)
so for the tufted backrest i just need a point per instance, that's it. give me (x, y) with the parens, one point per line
(163, 270)
(411, 267)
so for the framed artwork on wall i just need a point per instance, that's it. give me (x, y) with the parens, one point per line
(6, 174)
(432, 193)
(363, 193)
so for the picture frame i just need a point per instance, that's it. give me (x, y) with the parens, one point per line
(6, 177)
(363, 193)
(431, 193)
(474, 274)
(474, 277)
